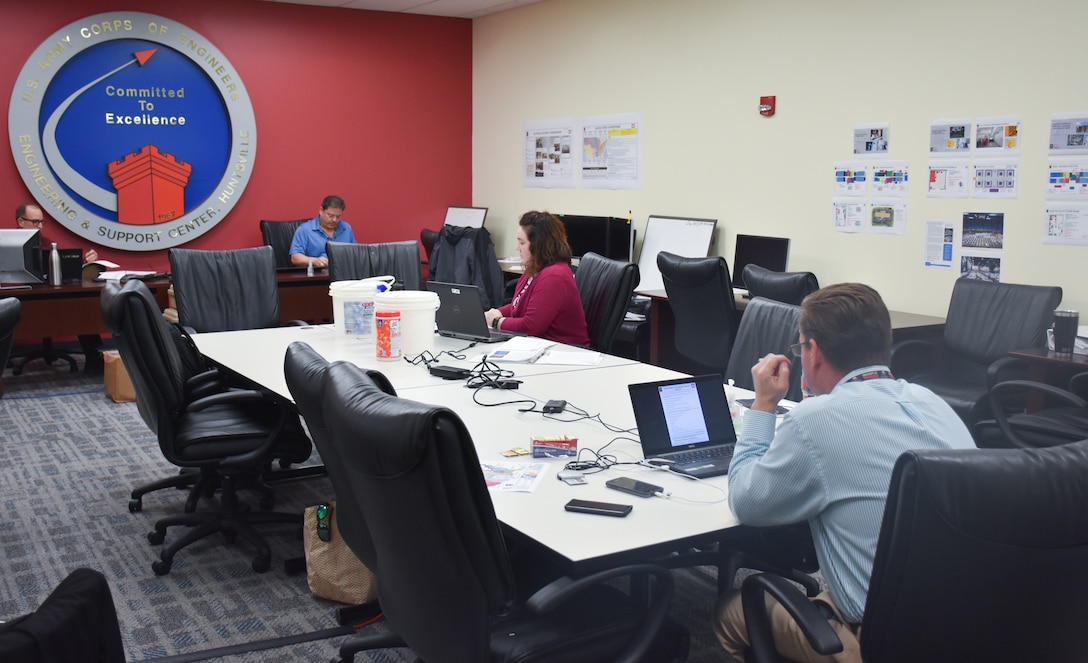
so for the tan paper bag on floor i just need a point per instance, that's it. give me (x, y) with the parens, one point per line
(118, 384)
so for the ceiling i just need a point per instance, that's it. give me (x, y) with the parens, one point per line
(454, 8)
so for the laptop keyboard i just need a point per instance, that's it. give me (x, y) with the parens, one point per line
(724, 452)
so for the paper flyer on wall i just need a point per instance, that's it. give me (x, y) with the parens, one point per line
(871, 139)
(997, 135)
(890, 178)
(982, 244)
(949, 178)
(612, 151)
(851, 178)
(950, 138)
(1067, 178)
(940, 242)
(1069, 133)
(995, 178)
(888, 216)
(848, 215)
(548, 160)
(1065, 223)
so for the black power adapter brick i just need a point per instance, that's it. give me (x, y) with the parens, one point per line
(449, 372)
(554, 406)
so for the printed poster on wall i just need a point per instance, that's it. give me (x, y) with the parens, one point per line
(950, 138)
(995, 178)
(850, 178)
(1067, 179)
(848, 215)
(940, 241)
(982, 245)
(949, 178)
(1066, 224)
(888, 216)
(1069, 133)
(891, 178)
(871, 138)
(548, 158)
(612, 151)
(997, 136)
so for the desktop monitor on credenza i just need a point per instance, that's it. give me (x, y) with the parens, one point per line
(21, 256)
(769, 252)
(608, 236)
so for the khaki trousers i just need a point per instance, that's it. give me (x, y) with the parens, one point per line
(730, 628)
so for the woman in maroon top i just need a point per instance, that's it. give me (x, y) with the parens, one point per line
(546, 301)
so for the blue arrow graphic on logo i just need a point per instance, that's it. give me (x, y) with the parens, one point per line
(76, 182)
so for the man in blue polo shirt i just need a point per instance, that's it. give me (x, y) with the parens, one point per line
(830, 460)
(309, 241)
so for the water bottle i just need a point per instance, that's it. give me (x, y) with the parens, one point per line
(310, 268)
(54, 265)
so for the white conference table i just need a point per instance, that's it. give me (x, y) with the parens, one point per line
(257, 354)
(696, 512)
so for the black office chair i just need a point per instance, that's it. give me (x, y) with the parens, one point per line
(348, 262)
(278, 235)
(985, 322)
(605, 287)
(767, 326)
(233, 434)
(444, 578)
(788, 287)
(11, 310)
(1064, 420)
(967, 534)
(77, 623)
(225, 290)
(701, 297)
(467, 255)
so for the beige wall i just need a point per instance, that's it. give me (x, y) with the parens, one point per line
(695, 69)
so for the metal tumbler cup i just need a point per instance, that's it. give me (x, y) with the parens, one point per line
(1065, 330)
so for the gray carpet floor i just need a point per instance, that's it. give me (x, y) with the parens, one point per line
(69, 457)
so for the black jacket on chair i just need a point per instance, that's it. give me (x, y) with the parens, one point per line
(467, 255)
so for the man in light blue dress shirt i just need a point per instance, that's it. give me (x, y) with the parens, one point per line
(830, 461)
(308, 244)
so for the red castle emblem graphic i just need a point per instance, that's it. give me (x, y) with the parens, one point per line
(150, 186)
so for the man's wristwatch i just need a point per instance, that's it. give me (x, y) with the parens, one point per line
(495, 322)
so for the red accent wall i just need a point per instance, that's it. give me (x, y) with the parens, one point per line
(375, 107)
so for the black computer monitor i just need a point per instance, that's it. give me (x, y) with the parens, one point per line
(609, 236)
(769, 252)
(21, 256)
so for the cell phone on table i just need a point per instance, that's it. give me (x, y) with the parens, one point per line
(629, 485)
(599, 508)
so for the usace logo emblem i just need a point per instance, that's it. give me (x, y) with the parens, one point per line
(132, 130)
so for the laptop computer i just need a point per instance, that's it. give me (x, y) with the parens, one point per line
(686, 424)
(460, 313)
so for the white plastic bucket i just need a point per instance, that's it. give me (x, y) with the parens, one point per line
(417, 310)
(353, 306)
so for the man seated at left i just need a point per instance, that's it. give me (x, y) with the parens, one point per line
(30, 216)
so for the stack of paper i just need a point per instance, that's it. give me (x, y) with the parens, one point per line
(520, 349)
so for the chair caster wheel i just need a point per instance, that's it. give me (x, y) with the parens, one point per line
(135, 505)
(161, 568)
(262, 564)
(155, 538)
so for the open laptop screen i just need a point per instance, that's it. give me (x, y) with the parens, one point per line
(685, 413)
